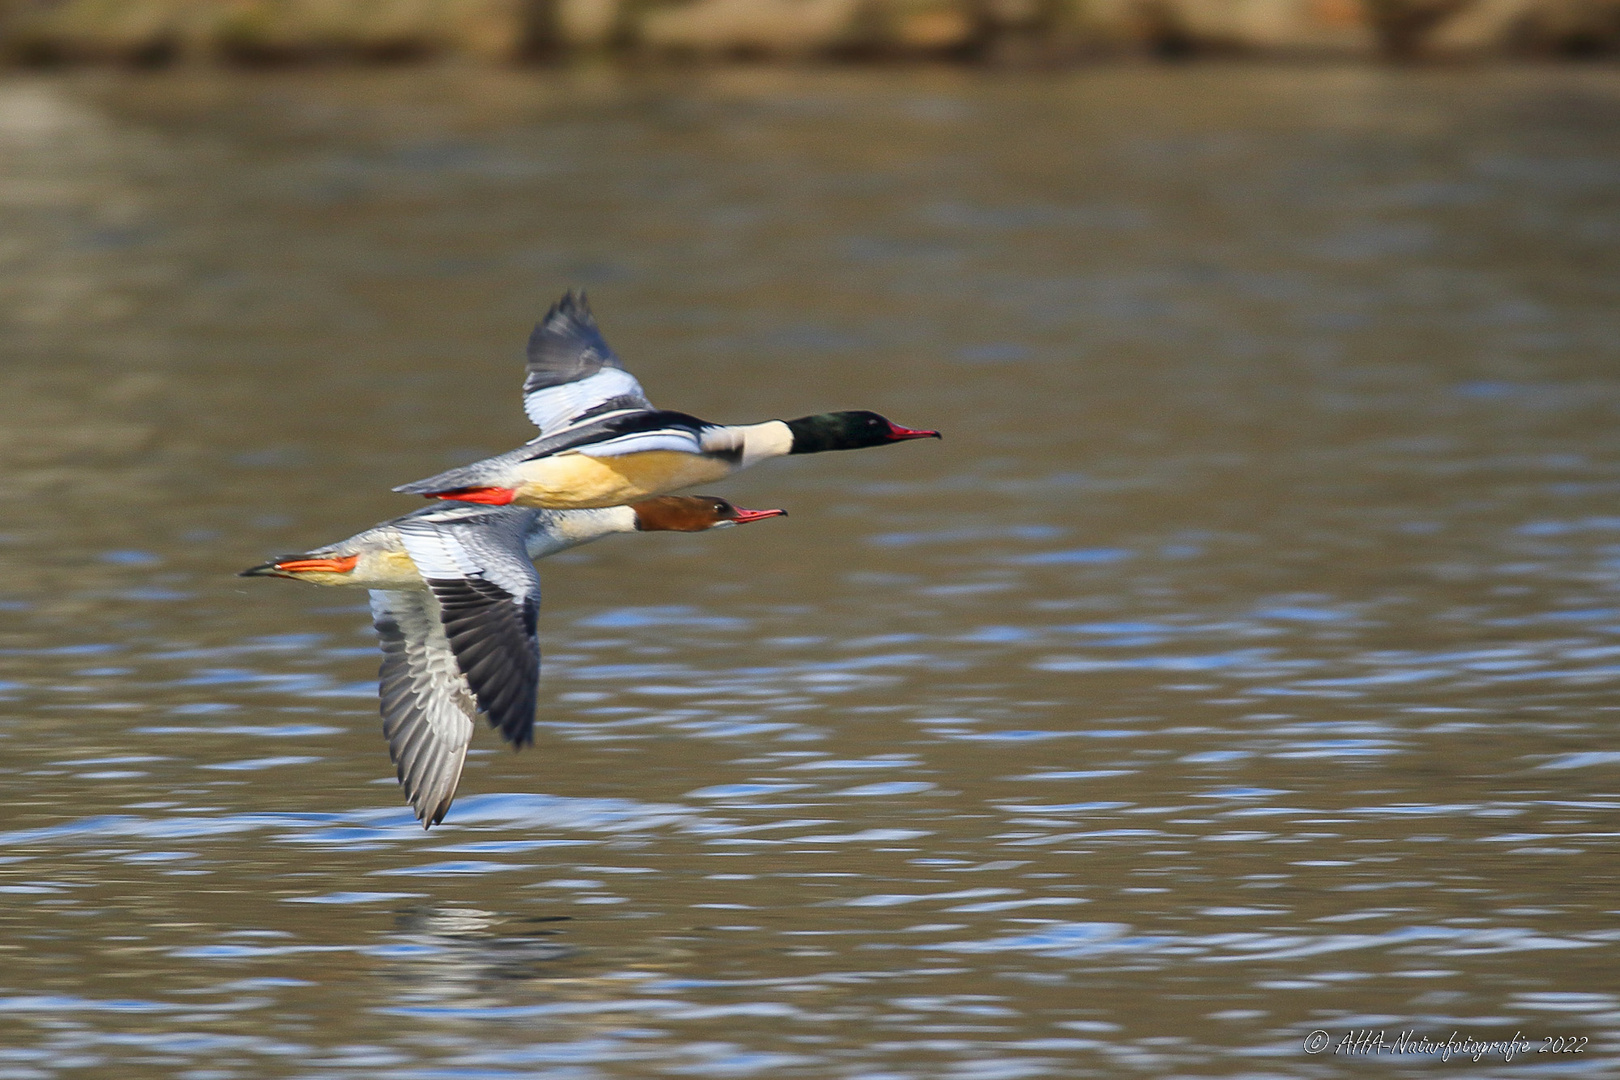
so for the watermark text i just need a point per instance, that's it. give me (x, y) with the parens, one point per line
(1367, 1042)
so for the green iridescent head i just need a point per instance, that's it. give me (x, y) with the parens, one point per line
(849, 431)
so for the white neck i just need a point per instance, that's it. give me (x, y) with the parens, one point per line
(761, 441)
(559, 530)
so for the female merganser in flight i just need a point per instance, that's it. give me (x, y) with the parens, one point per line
(602, 443)
(454, 598)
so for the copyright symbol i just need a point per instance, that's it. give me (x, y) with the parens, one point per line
(1317, 1041)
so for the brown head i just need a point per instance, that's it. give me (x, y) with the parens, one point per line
(693, 513)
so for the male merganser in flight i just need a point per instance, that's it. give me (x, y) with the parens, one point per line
(454, 598)
(602, 443)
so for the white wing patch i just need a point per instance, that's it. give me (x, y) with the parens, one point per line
(681, 442)
(438, 552)
(556, 407)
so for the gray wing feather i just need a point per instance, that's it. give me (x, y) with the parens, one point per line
(488, 595)
(489, 545)
(572, 373)
(427, 705)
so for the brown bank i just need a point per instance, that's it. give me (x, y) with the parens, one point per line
(158, 32)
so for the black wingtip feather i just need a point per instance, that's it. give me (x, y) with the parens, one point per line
(493, 638)
(574, 307)
(574, 304)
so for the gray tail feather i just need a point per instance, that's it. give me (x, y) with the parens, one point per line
(445, 481)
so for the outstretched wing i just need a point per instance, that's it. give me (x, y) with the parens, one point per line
(573, 375)
(489, 598)
(427, 706)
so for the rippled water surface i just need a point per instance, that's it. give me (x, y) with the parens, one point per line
(1244, 663)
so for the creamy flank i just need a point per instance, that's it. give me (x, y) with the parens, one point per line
(581, 482)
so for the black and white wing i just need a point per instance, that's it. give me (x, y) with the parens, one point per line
(573, 375)
(641, 432)
(489, 598)
(427, 706)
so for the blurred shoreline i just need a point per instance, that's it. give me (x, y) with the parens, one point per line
(253, 33)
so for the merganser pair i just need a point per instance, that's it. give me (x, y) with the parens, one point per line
(454, 599)
(602, 443)
(454, 595)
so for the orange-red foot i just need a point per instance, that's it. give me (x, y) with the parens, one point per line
(489, 496)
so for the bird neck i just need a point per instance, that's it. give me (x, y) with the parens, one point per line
(562, 529)
(745, 444)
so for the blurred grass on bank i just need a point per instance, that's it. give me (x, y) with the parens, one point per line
(156, 33)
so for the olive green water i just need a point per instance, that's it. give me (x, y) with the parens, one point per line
(1244, 663)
